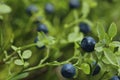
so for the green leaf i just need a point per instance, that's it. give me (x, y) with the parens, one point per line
(110, 56)
(4, 9)
(115, 44)
(112, 30)
(27, 54)
(107, 39)
(99, 47)
(15, 49)
(73, 37)
(1, 17)
(20, 76)
(85, 9)
(105, 60)
(100, 31)
(85, 68)
(51, 40)
(18, 62)
(26, 64)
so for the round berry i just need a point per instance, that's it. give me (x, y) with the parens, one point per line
(68, 71)
(31, 9)
(88, 44)
(115, 78)
(42, 28)
(84, 27)
(74, 4)
(49, 8)
(35, 41)
(96, 70)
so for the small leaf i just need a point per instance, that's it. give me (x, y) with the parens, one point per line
(26, 64)
(4, 9)
(85, 68)
(85, 9)
(105, 60)
(110, 56)
(18, 62)
(20, 76)
(14, 47)
(73, 37)
(27, 54)
(51, 40)
(100, 31)
(99, 47)
(115, 44)
(107, 39)
(112, 30)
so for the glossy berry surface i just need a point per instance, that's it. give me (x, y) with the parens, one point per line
(68, 71)
(49, 8)
(96, 70)
(88, 44)
(35, 41)
(84, 27)
(31, 9)
(115, 78)
(42, 28)
(74, 4)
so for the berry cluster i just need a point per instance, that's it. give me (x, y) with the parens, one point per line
(87, 44)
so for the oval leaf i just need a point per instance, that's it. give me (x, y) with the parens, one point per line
(18, 62)
(115, 44)
(112, 30)
(27, 54)
(85, 68)
(20, 76)
(4, 9)
(100, 31)
(110, 56)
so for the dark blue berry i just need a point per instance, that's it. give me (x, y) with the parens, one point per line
(31, 9)
(68, 71)
(88, 44)
(96, 70)
(42, 28)
(84, 27)
(115, 78)
(49, 8)
(74, 4)
(35, 41)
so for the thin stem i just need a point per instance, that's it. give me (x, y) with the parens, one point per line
(45, 58)
(28, 46)
(76, 15)
(49, 64)
(20, 48)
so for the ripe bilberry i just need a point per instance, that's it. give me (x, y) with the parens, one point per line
(68, 71)
(88, 44)
(74, 4)
(31, 9)
(49, 8)
(96, 70)
(42, 28)
(84, 27)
